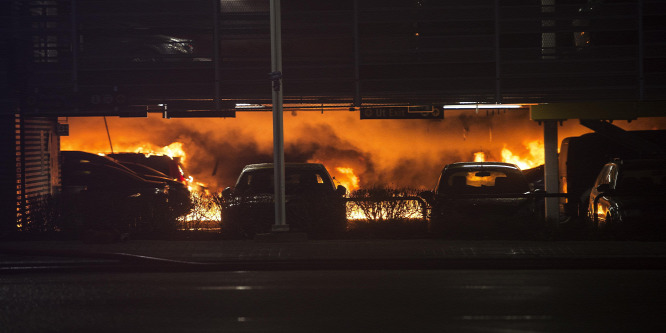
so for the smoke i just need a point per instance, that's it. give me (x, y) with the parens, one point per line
(401, 153)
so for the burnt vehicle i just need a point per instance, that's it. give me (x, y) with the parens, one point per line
(482, 199)
(103, 195)
(313, 203)
(179, 194)
(170, 166)
(628, 199)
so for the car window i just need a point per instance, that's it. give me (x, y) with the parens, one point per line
(641, 179)
(261, 181)
(479, 181)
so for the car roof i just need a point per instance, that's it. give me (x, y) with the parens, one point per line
(302, 166)
(481, 165)
(640, 163)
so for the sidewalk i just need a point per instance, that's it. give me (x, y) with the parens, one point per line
(238, 250)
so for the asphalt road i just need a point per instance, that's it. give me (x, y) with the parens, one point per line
(550, 300)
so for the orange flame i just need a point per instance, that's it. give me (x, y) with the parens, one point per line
(173, 150)
(534, 157)
(350, 180)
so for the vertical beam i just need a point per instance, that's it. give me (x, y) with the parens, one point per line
(551, 171)
(216, 52)
(278, 126)
(357, 58)
(641, 46)
(74, 36)
(498, 92)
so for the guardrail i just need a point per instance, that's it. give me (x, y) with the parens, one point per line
(424, 205)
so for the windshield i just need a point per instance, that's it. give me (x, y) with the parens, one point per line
(643, 179)
(261, 181)
(482, 181)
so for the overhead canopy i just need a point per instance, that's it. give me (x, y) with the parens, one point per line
(336, 53)
(598, 110)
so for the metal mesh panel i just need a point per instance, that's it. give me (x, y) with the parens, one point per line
(359, 51)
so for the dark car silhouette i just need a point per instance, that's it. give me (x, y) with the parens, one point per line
(170, 166)
(313, 203)
(104, 195)
(481, 199)
(628, 198)
(179, 194)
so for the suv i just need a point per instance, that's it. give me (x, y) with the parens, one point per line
(481, 198)
(313, 203)
(628, 198)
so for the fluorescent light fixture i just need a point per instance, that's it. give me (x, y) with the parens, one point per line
(468, 105)
(249, 106)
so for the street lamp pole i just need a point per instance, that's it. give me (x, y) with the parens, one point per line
(278, 126)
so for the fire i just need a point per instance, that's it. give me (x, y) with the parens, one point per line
(351, 182)
(174, 150)
(204, 208)
(533, 158)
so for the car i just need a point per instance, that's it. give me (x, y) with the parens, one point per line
(314, 205)
(180, 200)
(481, 199)
(628, 198)
(102, 195)
(170, 166)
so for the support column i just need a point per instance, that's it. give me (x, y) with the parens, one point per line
(551, 173)
(278, 126)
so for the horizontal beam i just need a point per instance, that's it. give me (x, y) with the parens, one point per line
(598, 110)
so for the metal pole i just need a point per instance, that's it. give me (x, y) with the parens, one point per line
(551, 173)
(278, 127)
(498, 95)
(74, 36)
(357, 58)
(216, 52)
(641, 45)
(106, 125)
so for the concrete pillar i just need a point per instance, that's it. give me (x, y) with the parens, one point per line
(551, 176)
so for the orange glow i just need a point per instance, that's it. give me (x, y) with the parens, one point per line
(347, 178)
(204, 209)
(380, 152)
(358, 153)
(533, 158)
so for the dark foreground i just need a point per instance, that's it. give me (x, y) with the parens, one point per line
(331, 286)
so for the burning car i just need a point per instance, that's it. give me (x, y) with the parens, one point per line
(106, 196)
(167, 165)
(313, 203)
(482, 199)
(628, 199)
(179, 194)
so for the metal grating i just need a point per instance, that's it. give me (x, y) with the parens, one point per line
(350, 52)
(36, 163)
